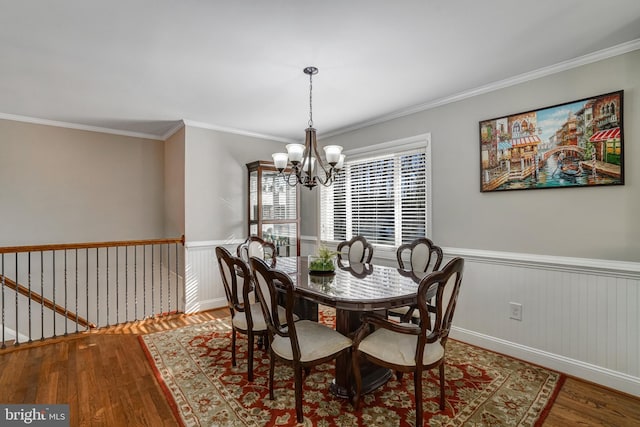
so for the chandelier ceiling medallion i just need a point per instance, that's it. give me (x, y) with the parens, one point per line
(307, 167)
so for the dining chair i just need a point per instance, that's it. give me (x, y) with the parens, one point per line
(246, 317)
(355, 250)
(258, 247)
(406, 347)
(421, 255)
(301, 344)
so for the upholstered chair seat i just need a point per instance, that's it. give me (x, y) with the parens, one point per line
(316, 342)
(398, 348)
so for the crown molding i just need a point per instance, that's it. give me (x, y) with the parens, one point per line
(168, 134)
(77, 126)
(209, 126)
(522, 78)
(501, 84)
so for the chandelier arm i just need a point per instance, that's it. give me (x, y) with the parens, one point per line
(319, 159)
(287, 178)
(329, 178)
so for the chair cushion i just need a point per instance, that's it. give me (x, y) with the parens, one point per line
(316, 341)
(399, 349)
(403, 310)
(240, 319)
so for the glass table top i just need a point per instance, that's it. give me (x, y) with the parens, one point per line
(361, 287)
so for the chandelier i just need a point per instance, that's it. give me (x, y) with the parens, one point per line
(307, 167)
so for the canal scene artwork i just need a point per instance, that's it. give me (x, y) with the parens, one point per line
(576, 144)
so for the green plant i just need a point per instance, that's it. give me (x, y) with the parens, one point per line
(323, 261)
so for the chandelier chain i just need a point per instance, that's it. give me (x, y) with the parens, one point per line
(310, 100)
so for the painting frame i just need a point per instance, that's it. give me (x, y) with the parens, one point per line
(573, 144)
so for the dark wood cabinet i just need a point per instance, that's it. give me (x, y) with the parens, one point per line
(274, 208)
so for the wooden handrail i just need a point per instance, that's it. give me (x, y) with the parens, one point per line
(47, 303)
(66, 246)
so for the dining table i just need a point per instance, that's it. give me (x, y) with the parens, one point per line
(352, 289)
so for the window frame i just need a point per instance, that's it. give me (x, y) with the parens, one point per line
(422, 141)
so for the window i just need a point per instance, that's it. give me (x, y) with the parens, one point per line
(381, 194)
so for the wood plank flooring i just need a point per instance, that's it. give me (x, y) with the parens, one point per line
(106, 380)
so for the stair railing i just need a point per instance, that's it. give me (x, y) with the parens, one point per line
(52, 290)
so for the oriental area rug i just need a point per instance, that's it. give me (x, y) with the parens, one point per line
(193, 366)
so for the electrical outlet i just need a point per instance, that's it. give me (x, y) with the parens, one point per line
(515, 311)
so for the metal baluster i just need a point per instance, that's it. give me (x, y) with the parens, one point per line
(144, 281)
(168, 277)
(77, 291)
(53, 254)
(86, 255)
(117, 285)
(108, 312)
(98, 286)
(177, 285)
(3, 319)
(153, 288)
(126, 281)
(66, 312)
(160, 276)
(135, 281)
(16, 296)
(29, 284)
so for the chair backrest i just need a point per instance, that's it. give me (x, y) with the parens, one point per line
(257, 247)
(236, 278)
(355, 250)
(357, 269)
(448, 281)
(420, 255)
(265, 279)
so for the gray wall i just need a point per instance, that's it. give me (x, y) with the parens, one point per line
(216, 182)
(600, 223)
(174, 184)
(62, 185)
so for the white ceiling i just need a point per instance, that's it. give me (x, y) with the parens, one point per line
(141, 66)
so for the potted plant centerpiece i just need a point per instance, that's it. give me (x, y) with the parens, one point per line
(323, 262)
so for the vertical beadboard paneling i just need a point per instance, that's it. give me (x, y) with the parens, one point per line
(619, 325)
(633, 332)
(578, 316)
(204, 287)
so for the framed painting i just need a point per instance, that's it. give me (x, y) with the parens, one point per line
(576, 144)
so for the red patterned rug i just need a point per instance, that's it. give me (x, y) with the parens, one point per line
(193, 365)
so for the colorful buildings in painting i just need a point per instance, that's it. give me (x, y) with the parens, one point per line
(605, 135)
(511, 147)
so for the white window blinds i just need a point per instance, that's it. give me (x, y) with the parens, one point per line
(383, 198)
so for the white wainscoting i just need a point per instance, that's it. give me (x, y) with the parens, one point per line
(204, 289)
(579, 316)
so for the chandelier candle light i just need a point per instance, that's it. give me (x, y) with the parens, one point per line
(305, 160)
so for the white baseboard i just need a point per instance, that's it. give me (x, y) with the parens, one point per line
(204, 305)
(576, 368)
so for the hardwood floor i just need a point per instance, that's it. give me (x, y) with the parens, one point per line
(106, 380)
